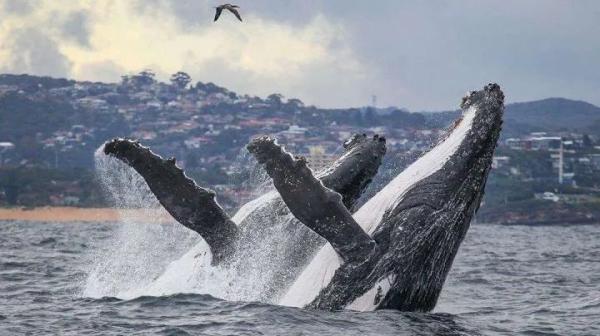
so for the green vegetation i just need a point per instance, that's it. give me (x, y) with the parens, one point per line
(42, 186)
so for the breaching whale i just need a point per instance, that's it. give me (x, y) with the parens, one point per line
(394, 252)
(234, 240)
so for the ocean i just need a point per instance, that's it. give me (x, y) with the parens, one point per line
(506, 280)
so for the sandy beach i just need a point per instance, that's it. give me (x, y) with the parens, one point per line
(72, 214)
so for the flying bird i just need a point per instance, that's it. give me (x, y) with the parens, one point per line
(229, 7)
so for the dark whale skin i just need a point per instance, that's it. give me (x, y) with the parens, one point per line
(416, 240)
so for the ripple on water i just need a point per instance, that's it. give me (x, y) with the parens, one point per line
(505, 280)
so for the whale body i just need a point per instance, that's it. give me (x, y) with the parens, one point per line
(393, 253)
(400, 245)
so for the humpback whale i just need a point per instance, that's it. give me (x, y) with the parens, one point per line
(394, 252)
(234, 240)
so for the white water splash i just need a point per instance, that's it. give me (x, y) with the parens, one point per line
(144, 241)
(150, 257)
(251, 178)
(244, 279)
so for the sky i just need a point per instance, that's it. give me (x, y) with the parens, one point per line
(420, 55)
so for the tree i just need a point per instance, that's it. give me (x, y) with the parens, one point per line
(147, 74)
(180, 80)
(125, 80)
(275, 100)
(371, 118)
(144, 78)
(295, 103)
(275, 97)
(209, 88)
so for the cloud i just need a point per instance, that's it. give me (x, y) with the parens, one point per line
(31, 51)
(102, 71)
(98, 40)
(12, 7)
(76, 27)
(415, 54)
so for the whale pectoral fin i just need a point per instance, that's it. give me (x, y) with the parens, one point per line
(192, 206)
(354, 170)
(319, 208)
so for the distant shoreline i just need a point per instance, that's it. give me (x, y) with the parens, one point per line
(73, 214)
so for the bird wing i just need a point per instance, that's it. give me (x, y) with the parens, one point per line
(218, 13)
(235, 12)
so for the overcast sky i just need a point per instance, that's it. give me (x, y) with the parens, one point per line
(422, 55)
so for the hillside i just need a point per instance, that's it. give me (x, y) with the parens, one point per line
(50, 128)
(555, 114)
(547, 115)
(43, 115)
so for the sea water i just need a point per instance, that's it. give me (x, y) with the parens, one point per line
(506, 280)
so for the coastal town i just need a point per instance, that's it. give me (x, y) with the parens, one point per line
(49, 161)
